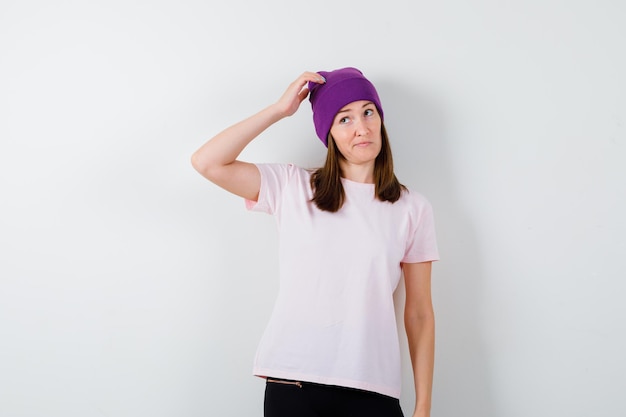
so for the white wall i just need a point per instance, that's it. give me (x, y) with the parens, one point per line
(130, 286)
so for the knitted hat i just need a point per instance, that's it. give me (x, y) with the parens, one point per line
(343, 86)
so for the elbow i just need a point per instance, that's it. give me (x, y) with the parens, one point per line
(418, 326)
(196, 162)
(202, 166)
(425, 317)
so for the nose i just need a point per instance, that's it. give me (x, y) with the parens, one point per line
(361, 127)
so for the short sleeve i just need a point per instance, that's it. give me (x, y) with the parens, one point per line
(422, 240)
(274, 178)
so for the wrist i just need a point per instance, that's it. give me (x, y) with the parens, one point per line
(421, 412)
(276, 112)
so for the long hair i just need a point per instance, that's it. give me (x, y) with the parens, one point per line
(328, 193)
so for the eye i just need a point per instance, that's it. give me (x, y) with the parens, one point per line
(369, 112)
(344, 120)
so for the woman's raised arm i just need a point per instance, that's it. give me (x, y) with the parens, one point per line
(217, 160)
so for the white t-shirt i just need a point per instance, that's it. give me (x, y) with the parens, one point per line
(334, 320)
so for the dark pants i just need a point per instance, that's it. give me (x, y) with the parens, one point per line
(285, 398)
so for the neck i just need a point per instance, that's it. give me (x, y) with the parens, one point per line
(357, 172)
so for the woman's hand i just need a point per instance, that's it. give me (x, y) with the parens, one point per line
(217, 160)
(297, 91)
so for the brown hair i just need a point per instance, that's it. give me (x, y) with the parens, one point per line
(328, 193)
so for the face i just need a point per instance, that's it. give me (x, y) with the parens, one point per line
(356, 131)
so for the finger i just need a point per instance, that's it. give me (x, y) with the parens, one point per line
(315, 77)
(310, 77)
(303, 94)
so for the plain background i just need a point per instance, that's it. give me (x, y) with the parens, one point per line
(131, 286)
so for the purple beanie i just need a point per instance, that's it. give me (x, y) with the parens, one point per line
(343, 86)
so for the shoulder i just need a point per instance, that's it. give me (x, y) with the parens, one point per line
(416, 206)
(279, 182)
(415, 199)
(289, 168)
(283, 170)
(282, 176)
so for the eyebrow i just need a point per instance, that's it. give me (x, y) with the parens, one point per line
(344, 110)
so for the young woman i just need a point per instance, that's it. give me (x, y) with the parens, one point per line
(348, 232)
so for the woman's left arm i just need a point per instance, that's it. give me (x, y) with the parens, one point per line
(419, 321)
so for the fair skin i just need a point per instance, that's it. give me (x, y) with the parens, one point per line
(217, 159)
(356, 130)
(419, 321)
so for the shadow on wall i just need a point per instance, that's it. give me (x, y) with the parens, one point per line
(420, 142)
